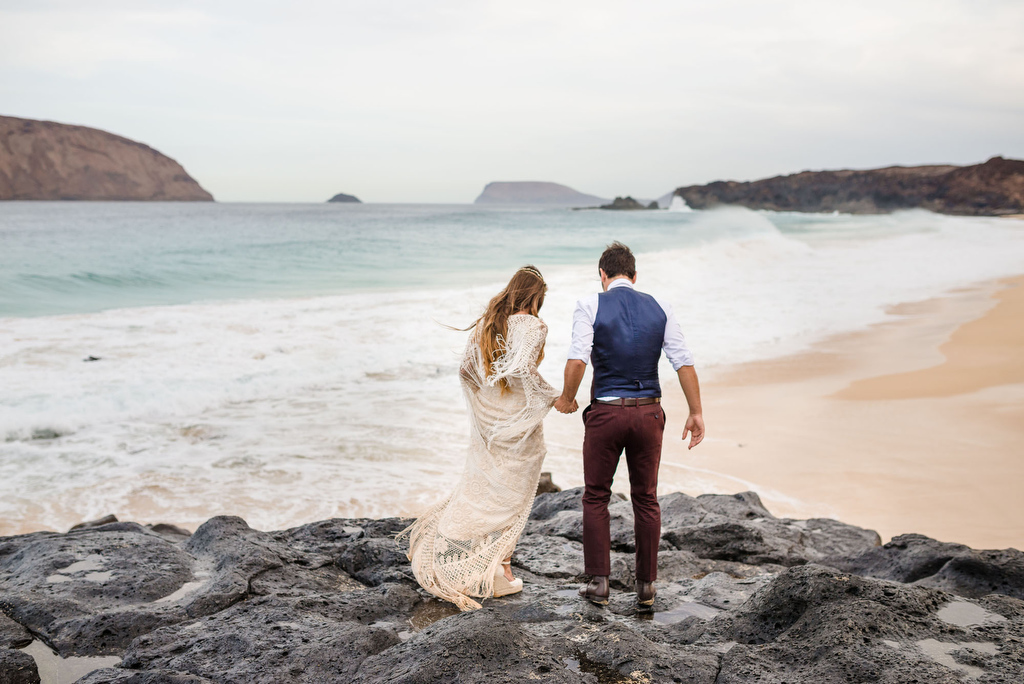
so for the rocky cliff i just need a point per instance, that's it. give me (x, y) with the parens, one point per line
(743, 596)
(43, 160)
(535, 192)
(991, 189)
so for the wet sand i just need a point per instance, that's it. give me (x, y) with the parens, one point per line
(914, 425)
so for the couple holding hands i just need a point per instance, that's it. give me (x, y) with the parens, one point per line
(461, 549)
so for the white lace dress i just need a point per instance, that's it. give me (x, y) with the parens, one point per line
(457, 546)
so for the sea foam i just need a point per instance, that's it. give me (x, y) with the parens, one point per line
(291, 409)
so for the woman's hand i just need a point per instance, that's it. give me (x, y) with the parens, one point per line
(467, 374)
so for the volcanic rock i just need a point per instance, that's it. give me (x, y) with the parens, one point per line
(17, 667)
(914, 558)
(993, 188)
(485, 645)
(105, 520)
(43, 160)
(816, 624)
(12, 634)
(742, 596)
(717, 527)
(546, 506)
(270, 639)
(155, 676)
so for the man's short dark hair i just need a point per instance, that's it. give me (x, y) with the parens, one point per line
(617, 260)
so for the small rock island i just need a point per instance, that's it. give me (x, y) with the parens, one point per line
(342, 197)
(44, 160)
(628, 204)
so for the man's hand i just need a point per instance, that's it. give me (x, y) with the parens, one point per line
(565, 405)
(695, 427)
(691, 388)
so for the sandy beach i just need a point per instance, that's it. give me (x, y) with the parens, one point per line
(299, 408)
(914, 425)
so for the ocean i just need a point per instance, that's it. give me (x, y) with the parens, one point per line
(292, 362)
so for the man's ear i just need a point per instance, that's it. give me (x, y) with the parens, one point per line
(633, 279)
(603, 274)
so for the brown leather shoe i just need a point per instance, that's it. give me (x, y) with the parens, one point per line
(645, 593)
(597, 591)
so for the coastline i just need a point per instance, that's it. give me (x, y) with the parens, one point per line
(913, 425)
(824, 433)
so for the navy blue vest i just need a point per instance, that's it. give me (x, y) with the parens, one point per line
(628, 334)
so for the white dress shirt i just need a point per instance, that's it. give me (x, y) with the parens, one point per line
(583, 318)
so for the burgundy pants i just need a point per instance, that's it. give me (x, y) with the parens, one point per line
(609, 431)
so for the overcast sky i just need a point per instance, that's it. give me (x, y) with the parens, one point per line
(424, 101)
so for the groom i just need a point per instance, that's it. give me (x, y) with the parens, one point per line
(623, 332)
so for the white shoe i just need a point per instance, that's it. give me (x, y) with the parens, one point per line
(502, 587)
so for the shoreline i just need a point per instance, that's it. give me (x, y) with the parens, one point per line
(912, 425)
(821, 434)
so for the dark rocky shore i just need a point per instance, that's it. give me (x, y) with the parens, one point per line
(743, 597)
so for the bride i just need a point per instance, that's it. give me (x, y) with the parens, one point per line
(462, 547)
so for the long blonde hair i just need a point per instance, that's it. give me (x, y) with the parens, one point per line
(524, 292)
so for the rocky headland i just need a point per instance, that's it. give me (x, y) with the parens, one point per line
(43, 160)
(342, 197)
(995, 188)
(535, 192)
(743, 596)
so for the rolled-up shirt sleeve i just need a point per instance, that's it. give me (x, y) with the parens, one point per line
(674, 344)
(583, 329)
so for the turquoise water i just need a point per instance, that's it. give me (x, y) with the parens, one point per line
(80, 257)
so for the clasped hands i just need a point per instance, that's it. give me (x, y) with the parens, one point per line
(565, 405)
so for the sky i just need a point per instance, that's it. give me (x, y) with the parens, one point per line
(427, 101)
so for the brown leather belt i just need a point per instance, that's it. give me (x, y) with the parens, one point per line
(637, 401)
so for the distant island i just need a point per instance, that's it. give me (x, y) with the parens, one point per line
(342, 197)
(628, 204)
(994, 188)
(535, 192)
(43, 160)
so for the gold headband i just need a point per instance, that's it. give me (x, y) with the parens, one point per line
(533, 271)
